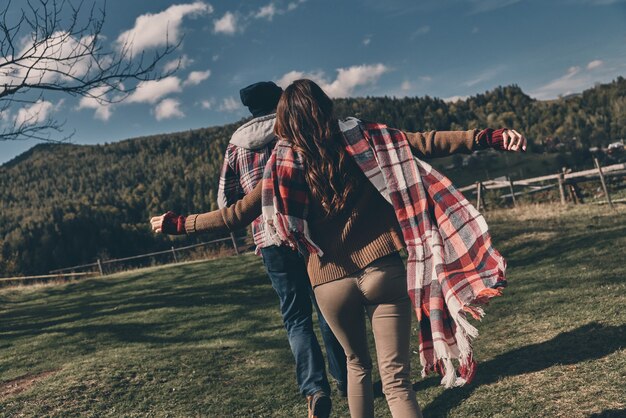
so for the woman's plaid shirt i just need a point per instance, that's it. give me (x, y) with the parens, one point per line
(242, 170)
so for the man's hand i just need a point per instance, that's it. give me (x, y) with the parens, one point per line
(157, 224)
(168, 223)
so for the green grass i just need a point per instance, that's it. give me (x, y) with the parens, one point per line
(205, 339)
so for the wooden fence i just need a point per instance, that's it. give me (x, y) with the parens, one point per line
(566, 182)
(99, 267)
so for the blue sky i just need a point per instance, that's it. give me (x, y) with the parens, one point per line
(445, 48)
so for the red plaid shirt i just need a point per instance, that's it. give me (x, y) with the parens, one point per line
(242, 170)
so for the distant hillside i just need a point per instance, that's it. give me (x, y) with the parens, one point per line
(68, 204)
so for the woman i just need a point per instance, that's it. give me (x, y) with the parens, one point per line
(327, 191)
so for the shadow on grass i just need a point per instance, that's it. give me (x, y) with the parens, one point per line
(101, 307)
(610, 413)
(588, 342)
(600, 239)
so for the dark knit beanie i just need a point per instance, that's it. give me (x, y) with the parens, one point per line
(261, 98)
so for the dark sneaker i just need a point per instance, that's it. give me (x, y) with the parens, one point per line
(319, 405)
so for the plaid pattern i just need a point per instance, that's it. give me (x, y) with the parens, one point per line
(452, 266)
(285, 201)
(242, 170)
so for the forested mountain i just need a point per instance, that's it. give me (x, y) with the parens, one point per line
(68, 204)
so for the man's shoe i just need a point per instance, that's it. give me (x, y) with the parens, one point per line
(319, 405)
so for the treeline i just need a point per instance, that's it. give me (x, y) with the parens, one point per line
(69, 204)
(594, 117)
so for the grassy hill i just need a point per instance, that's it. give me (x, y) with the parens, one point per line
(205, 339)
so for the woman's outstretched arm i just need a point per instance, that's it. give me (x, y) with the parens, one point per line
(435, 144)
(228, 219)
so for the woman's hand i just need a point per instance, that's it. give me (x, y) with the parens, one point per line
(169, 223)
(513, 140)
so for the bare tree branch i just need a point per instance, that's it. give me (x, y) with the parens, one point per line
(56, 46)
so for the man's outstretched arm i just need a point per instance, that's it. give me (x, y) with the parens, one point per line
(225, 220)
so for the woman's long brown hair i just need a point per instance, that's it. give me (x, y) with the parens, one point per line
(305, 116)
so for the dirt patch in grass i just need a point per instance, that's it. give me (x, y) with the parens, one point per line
(15, 386)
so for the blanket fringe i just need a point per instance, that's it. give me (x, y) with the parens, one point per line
(450, 378)
(297, 240)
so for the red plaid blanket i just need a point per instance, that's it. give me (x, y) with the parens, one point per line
(452, 266)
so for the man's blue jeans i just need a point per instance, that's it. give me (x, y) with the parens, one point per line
(287, 272)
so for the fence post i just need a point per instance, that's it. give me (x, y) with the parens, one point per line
(174, 255)
(606, 191)
(512, 192)
(576, 193)
(561, 188)
(479, 187)
(100, 267)
(234, 240)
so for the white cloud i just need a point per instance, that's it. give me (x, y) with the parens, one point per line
(168, 108)
(595, 64)
(231, 23)
(426, 78)
(484, 6)
(348, 79)
(227, 24)
(153, 90)
(574, 80)
(292, 76)
(406, 85)
(207, 104)
(294, 4)
(155, 30)
(196, 77)
(35, 113)
(486, 75)
(453, 99)
(423, 30)
(367, 40)
(181, 63)
(103, 110)
(266, 12)
(230, 104)
(58, 57)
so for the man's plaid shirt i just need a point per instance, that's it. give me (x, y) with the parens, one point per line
(242, 170)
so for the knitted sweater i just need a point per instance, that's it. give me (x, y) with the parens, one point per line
(367, 228)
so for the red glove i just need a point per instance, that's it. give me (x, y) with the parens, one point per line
(490, 138)
(173, 224)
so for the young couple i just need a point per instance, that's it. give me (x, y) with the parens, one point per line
(343, 197)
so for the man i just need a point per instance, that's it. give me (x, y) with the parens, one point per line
(248, 151)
